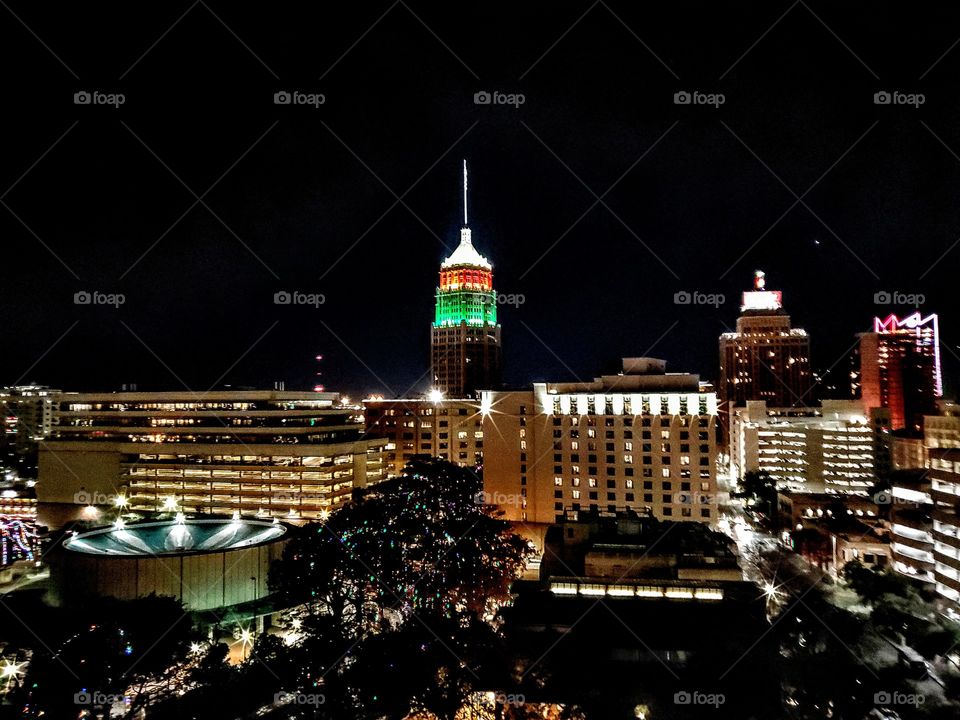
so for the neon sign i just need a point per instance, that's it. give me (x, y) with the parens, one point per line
(926, 330)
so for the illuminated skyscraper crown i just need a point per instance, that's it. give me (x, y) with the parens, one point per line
(760, 298)
(466, 293)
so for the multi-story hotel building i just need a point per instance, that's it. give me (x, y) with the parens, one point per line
(897, 366)
(766, 358)
(811, 449)
(465, 352)
(450, 429)
(295, 455)
(643, 440)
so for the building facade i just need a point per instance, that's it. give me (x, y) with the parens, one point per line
(766, 358)
(643, 440)
(826, 449)
(897, 366)
(28, 412)
(294, 455)
(465, 350)
(944, 471)
(451, 429)
(924, 497)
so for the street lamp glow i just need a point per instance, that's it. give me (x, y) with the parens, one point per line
(120, 501)
(170, 503)
(246, 636)
(435, 396)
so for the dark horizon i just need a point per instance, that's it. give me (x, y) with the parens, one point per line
(99, 198)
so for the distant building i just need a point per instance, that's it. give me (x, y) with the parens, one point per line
(451, 429)
(766, 358)
(625, 546)
(856, 541)
(643, 440)
(465, 347)
(292, 455)
(897, 366)
(27, 414)
(827, 449)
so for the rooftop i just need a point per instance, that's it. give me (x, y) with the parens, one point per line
(172, 537)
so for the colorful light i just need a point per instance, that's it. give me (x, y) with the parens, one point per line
(926, 330)
(17, 540)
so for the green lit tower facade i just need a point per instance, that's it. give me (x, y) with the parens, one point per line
(465, 337)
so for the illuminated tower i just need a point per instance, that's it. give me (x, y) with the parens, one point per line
(766, 358)
(465, 337)
(899, 368)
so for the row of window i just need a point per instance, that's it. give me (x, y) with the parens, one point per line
(685, 511)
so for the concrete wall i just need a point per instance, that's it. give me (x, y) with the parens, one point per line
(202, 581)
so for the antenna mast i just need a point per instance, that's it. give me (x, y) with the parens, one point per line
(464, 193)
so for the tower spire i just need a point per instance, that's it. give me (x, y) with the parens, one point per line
(465, 192)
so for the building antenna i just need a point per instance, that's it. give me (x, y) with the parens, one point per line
(464, 192)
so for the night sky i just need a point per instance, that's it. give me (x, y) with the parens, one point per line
(301, 198)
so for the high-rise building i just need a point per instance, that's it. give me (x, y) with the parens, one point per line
(27, 412)
(897, 366)
(465, 352)
(766, 358)
(291, 455)
(643, 440)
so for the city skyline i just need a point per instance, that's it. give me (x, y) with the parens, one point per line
(704, 195)
(400, 360)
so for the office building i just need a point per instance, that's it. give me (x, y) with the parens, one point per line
(897, 366)
(465, 347)
(766, 358)
(294, 455)
(27, 413)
